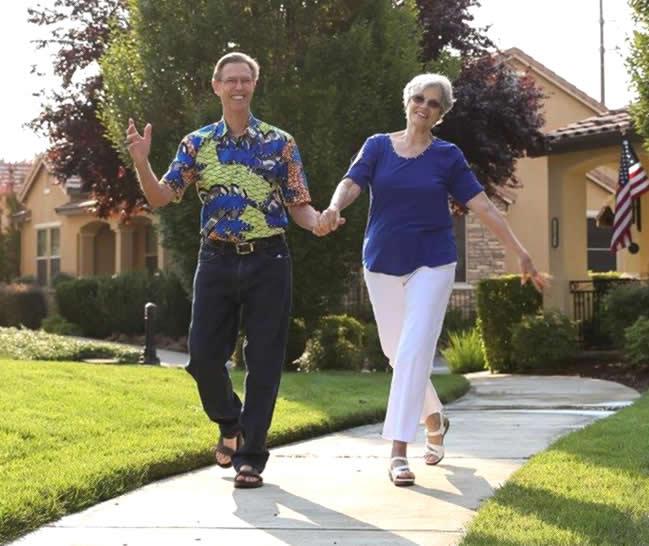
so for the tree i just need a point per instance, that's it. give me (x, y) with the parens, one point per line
(497, 116)
(496, 119)
(447, 25)
(638, 66)
(10, 244)
(81, 29)
(332, 74)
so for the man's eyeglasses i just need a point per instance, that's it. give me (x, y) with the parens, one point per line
(431, 103)
(234, 81)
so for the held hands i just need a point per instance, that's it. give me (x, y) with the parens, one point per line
(328, 221)
(529, 273)
(138, 145)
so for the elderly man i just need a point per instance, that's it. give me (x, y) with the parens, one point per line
(247, 174)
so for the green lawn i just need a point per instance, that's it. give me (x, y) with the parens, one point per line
(73, 434)
(590, 488)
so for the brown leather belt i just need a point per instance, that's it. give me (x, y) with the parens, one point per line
(245, 247)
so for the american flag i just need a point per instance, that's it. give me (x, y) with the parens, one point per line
(632, 183)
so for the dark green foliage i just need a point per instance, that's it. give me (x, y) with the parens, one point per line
(331, 75)
(10, 245)
(336, 344)
(502, 303)
(622, 307)
(106, 305)
(636, 342)
(376, 359)
(638, 66)
(56, 324)
(22, 305)
(77, 301)
(543, 341)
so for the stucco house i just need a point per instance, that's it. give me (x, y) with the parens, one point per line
(533, 210)
(60, 233)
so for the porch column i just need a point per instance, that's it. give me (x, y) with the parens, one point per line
(124, 248)
(86, 254)
(567, 226)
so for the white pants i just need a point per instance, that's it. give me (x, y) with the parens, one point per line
(409, 312)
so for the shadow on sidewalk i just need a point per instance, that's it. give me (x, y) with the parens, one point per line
(314, 517)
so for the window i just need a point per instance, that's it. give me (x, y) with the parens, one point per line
(151, 250)
(48, 254)
(600, 258)
(459, 229)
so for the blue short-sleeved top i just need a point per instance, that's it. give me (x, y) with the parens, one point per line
(409, 223)
(244, 183)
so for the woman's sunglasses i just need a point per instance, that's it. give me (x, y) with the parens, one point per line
(431, 103)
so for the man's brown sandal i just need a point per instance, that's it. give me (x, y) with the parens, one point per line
(221, 449)
(248, 484)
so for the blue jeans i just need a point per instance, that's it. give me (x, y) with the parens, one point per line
(256, 289)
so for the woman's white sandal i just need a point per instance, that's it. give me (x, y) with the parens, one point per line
(436, 450)
(394, 472)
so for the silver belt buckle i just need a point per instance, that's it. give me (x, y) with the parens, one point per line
(244, 248)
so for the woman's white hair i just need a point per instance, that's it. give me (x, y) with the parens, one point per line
(422, 81)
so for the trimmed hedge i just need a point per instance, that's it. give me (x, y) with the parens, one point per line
(543, 341)
(22, 305)
(105, 305)
(376, 359)
(502, 303)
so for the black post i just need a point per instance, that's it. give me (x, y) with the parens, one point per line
(149, 355)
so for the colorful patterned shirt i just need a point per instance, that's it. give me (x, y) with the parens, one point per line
(244, 183)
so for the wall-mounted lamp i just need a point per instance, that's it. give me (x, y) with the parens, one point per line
(554, 232)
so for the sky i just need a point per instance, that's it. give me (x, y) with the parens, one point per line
(561, 34)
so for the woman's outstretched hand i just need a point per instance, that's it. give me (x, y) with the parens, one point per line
(529, 273)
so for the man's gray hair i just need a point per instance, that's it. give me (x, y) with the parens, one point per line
(236, 57)
(422, 81)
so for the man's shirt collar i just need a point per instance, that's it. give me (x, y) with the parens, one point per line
(252, 130)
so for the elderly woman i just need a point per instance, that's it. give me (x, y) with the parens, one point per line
(409, 255)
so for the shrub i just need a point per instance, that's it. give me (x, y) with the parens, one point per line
(39, 345)
(502, 302)
(376, 359)
(174, 304)
(56, 324)
(78, 303)
(622, 307)
(543, 341)
(336, 344)
(464, 353)
(22, 305)
(455, 321)
(636, 342)
(106, 305)
(122, 299)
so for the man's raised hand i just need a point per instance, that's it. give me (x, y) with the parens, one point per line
(138, 145)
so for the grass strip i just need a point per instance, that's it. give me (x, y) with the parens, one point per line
(74, 434)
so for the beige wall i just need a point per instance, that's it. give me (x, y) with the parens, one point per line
(596, 196)
(529, 215)
(122, 247)
(567, 194)
(43, 197)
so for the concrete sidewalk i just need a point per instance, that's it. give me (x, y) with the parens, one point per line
(335, 490)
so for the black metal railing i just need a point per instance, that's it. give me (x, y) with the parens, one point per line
(587, 308)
